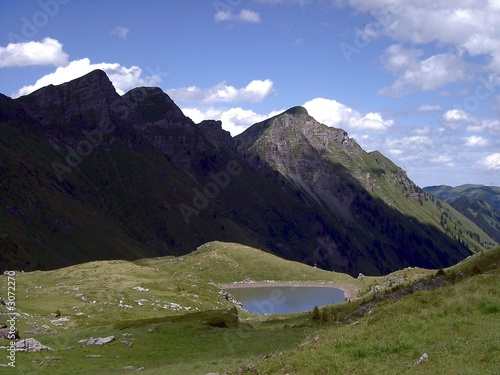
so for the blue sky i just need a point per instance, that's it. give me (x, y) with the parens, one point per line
(417, 80)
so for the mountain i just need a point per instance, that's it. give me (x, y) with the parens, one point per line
(479, 203)
(87, 174)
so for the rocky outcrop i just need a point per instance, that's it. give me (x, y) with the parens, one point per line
(100, 340)
(217, 136)
(30, 345)
(85, 102)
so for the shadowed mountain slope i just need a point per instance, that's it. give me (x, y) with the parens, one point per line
(87, 174)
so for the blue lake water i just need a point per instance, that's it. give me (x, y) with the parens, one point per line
(285, 299)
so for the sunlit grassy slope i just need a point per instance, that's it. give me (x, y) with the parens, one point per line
(176, 322)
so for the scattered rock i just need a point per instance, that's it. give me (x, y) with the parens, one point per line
(126, 342)
(140, 289)
(100, 340)
(55, 358)
(36, 331)
(248, 368)
(423, 358)
(30, 345)
(6, 333)
(60, 321)
(128, 368)
(81, 297)
(93, 356)
(230, 298)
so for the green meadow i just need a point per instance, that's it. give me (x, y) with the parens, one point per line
(167, 317)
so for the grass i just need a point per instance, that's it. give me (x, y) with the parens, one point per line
(456, 325)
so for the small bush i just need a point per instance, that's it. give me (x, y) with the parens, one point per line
(440, 272)
(315, 313)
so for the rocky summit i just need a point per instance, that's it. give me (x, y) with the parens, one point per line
(87, 174)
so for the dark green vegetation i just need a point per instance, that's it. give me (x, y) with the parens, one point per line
(479, 203)
(450, 314)
(86, 174)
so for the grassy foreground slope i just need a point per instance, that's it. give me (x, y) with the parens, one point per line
(177, 323)
(456, 325)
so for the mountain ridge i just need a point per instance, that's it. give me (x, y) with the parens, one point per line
(479, 203)
(104, 176)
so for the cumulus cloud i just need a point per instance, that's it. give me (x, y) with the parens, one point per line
(123, 78)
(47, 52)
(414, 74)
(235, 120)
(120, 31)
(490, 162)
(245, 16)
(332, 113)
(254, 92)
(456, 116)
(476, 141)
(456, 31)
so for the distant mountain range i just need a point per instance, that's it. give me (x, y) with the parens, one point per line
(479, 203)
(87, 174)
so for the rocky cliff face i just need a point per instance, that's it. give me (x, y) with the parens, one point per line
(84, 102)
(88, 174)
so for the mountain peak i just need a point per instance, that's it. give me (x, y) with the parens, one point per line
(297, 110)
(94, 80)
(92, 92)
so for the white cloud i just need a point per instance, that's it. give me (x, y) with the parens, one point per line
(47, 52)
(120, 31)
(235, 120)
(476, 141)
(255, 91)
(245, 15)
(123, 78)
(490, 162)
(428, 74)
(455, 30)
(332, 113)
(485, 126)
(428, 108)
(446, 160)
(456, 115)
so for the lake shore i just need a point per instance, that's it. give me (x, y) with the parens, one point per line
(350, 291)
